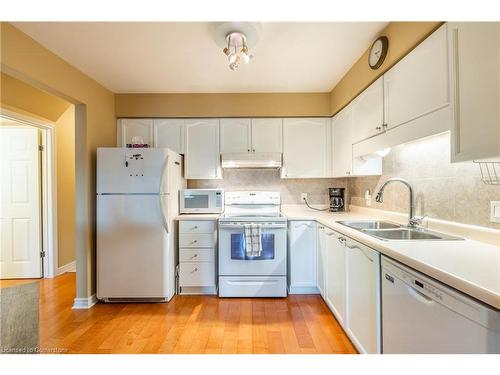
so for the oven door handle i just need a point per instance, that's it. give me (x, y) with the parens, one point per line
(263, 226)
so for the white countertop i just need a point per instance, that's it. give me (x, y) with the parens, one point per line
(469, 266)
(198, 217)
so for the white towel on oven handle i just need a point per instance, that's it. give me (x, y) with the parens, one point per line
(253, 244)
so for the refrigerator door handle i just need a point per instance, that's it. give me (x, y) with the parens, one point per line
(164, 171)
(162, 194)
(164, 211)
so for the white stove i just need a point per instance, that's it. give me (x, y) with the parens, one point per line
(242, 273)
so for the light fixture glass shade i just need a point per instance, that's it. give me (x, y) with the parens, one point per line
(237, 50)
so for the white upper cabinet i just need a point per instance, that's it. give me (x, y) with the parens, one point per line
(140, 129)
(251, 135)
(368, 112)
(169, 133)
(342, 142)
(306, 148)
(202, 159)
(475, 87)
(267, 135)
(418, 84)
(236, 135)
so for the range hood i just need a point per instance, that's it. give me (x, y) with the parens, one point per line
(254, 160)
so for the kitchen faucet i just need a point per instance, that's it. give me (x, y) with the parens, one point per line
(413, 221)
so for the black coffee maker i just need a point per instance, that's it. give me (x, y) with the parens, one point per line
(337, 201)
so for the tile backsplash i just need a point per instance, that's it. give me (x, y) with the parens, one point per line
(442, 190)
(269, 180)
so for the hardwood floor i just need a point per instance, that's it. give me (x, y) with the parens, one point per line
(188, 324)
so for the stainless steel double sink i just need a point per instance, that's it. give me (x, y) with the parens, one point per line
(386, 230)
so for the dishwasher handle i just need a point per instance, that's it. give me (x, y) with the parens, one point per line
(419, 296)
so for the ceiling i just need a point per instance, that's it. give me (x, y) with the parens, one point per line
(182, 57)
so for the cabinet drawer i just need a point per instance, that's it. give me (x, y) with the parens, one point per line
(188, 226)
(197, 274)
(196, 240)
(196, 255)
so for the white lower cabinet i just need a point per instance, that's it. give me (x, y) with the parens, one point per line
(302, 255)
(352, 288)
(363, 296)
(336, 288)
(197, 257)
(322, 267)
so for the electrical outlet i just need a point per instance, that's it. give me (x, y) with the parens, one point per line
(495, 211)
(303, 197)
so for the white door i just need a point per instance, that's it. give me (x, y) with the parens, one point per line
(302, 253)
(418, 84)
(342, 143)
(267, 135)
(306, 148)
(139, 129)
(322, 267)
(475, 76)
(336, 275)
(235, 135)
(169, 133)
(368, 111)
(202, 159)
(20, 203)
(363, 296)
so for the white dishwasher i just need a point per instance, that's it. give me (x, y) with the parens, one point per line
(421, 315)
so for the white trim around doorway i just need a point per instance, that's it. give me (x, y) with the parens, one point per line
(49, 192)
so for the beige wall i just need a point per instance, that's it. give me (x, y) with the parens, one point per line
(66, 189)
(22, 98)
(403, 37)
(443, 190)
(28, 61)
(222, 105)
(17, 94)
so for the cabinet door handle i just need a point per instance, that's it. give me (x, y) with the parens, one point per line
(379, 128)
(195, 227)
(195, 270)
(253, 150)
(248, 150)
(341, 240)
(360, 249)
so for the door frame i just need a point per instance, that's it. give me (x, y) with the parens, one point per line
(48, 185)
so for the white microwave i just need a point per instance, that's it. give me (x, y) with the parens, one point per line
(201, 201)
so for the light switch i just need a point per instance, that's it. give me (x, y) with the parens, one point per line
(495, 212)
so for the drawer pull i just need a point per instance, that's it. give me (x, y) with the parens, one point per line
(194, 256)
(195, 241)
(195, 227)
(195, 270)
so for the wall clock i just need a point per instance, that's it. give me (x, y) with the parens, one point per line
(378, 52)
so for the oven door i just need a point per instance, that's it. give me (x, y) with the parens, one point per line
(233, 259)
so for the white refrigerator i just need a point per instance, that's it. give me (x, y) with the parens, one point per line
(137, 202)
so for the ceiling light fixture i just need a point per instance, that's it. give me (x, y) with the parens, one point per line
(237, 50)
(236, 38)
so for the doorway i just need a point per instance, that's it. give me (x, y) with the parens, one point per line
(27, 246)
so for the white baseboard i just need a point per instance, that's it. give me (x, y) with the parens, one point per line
(303, 290)
(70, 267)
(85, 303)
